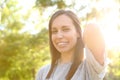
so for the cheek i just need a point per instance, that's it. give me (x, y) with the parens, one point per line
(52, 38)
(74, 38)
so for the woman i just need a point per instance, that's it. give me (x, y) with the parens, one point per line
(70, 60)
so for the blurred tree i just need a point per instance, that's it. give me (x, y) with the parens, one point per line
(20, 53)
(48, 3)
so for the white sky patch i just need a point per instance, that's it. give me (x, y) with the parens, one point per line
(33, 21)
(112, 38)
(26, 5)
(69, 2)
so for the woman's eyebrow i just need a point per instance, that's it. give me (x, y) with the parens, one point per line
(65, 26)
(53, 28)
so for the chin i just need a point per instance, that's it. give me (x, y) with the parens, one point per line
(63, 51)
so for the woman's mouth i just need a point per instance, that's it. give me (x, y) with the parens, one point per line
(62, 44)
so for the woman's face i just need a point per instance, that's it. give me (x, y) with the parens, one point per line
(64, 34)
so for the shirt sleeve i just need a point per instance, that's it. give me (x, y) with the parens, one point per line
(99, 69)
(42, 73)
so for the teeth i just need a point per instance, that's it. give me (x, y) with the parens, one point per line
(61, 44)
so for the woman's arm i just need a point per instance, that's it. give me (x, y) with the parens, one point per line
(94, 40)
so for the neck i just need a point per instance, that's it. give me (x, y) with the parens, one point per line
(66, 57)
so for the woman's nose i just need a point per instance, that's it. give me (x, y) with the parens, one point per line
(59, 34)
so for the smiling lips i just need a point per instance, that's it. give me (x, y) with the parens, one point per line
(62, 44)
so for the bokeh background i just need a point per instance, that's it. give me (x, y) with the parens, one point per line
(24, 41)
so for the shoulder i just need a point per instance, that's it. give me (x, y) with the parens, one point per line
(42, 72)
(93, 67)
(45, 67)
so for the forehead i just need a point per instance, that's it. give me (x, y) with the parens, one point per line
(62, 20)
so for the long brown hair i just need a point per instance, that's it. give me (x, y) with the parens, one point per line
(55, 54)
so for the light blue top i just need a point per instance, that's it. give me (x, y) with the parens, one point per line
(89, 69)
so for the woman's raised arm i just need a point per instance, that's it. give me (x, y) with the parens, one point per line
(93, 39)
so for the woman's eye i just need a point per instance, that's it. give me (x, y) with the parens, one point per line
(66, 29)
(54, 31)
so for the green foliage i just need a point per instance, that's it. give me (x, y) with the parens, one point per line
(22, 54)
(114, 66)
(48, 3)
